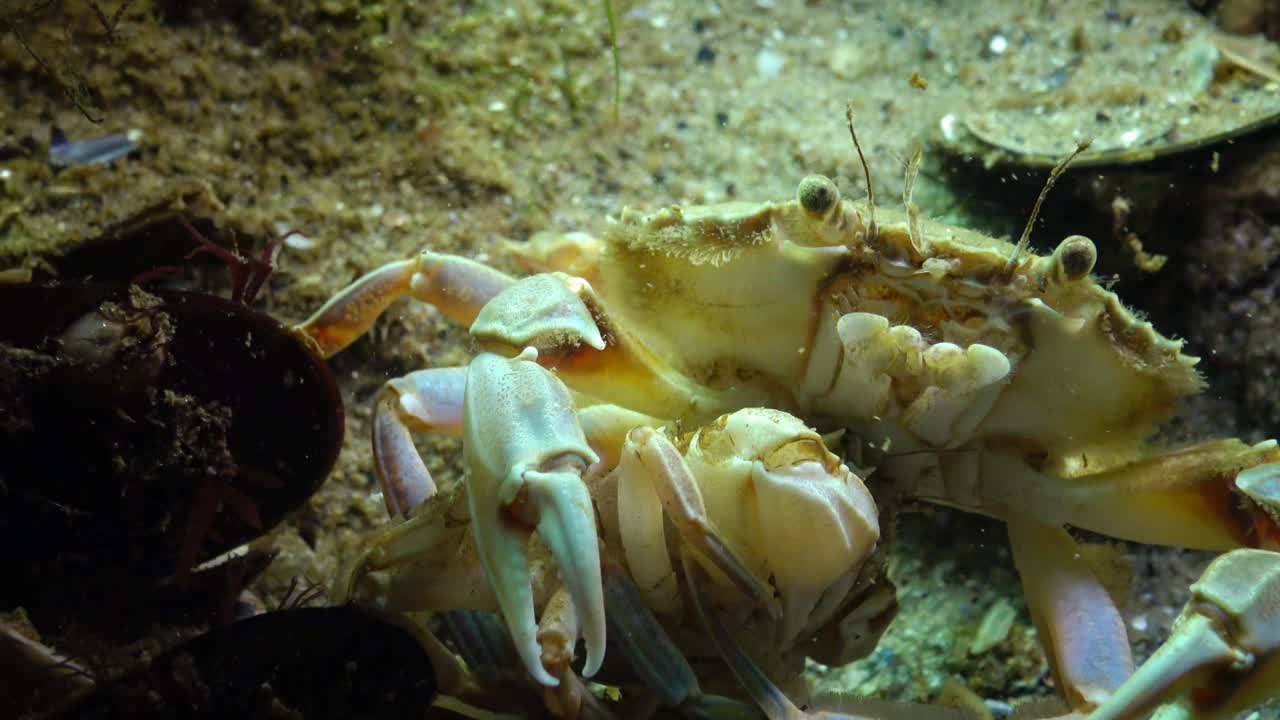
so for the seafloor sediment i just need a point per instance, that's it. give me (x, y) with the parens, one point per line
(379, 128)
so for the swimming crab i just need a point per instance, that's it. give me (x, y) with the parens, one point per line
(740, 493)
(983, 376)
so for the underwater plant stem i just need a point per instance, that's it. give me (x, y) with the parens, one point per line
(617, 61)
(70, 91)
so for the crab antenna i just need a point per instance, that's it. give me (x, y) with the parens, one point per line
(866, 172)
(1058, 169)
(913, 212)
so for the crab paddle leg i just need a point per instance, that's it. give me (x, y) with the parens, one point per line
(426, 400)
(455, 285)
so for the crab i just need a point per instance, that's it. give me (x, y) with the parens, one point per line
(739, 492)
(971, 372)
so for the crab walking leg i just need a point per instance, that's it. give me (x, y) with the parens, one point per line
(1219, 495)
(419, 557)
(422, 401)
(654, 658)
(1224, 654)
(771, 700)
(1078, 624)
(661, 667)
(557, 636)
(651, 466)
(455, 285)
(526, 454)
(607, 428)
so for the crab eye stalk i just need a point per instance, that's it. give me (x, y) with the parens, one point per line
(1075, 257)
(817, 195)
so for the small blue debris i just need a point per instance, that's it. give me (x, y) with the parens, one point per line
(64, 152)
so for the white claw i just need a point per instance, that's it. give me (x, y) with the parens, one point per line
(567, 527)
(501, 547)
(525, 455)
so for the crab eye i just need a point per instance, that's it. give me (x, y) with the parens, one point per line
(817, 195)
(1075, 257)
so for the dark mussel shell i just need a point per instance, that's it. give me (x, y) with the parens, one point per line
(143, 433)
(313, 663)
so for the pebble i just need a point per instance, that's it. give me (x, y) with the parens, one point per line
(845, 62)
(994, 628)
(769, 64)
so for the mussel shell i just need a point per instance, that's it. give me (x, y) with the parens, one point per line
(100, 464)
(993, 149)
(316, 663)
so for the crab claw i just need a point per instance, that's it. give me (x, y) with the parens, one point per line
(1224, 653)
(525, 453)
(770, 466)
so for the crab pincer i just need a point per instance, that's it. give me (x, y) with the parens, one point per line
(1223, 656)
(526, 454)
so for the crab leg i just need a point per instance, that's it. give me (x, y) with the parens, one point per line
(1078, 624)
(420, 560)
(526, 454)
(772, 701)
(1224, 654)
(648, 649)
(652, 469)
(426, 400)
(607, 428)
(656, 660)
(1219, 495)
(457, 286)
(557, 635)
